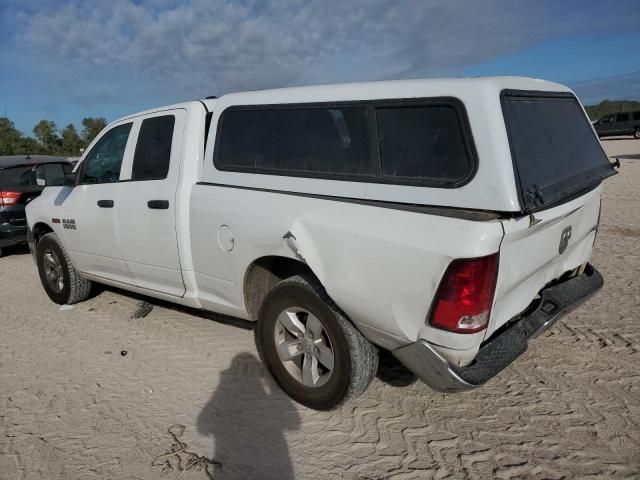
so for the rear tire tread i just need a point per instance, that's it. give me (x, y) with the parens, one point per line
(364, 355)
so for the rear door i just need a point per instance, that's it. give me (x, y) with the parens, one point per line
(147, 217)
(559, 165)
(623, 123)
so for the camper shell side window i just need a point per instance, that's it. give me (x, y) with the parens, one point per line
(424, 142)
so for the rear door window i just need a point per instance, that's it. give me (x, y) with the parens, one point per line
(14, 177)
(555, 152)
(153, 150)
(24, 176)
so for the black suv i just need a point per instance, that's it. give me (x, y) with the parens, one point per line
(622, 123)
(18, 187)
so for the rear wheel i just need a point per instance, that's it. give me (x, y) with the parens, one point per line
(60, 280)
(636, 133)
(314, 353)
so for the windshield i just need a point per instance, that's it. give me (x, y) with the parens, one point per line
(555, 151)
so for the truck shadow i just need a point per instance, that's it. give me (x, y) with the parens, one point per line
(390, 370)
(614, 138)
(98, 289)
(247, 417)
(20, 249)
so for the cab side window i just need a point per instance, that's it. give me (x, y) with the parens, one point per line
(622, 117)
(153, 150)
(102, 163)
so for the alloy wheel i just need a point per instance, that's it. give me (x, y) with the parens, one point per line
(53, 270)
(304, 347)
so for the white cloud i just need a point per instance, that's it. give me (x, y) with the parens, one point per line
(172, 49)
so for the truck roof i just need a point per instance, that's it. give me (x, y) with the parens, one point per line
(425, 87)
(390, 89)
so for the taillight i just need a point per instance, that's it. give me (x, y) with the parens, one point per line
(465, 295)
(9, 198)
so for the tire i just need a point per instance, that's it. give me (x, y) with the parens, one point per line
(636, 133)
(354, 360)
(60, 280)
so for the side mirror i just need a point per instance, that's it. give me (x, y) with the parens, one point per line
(53, 174)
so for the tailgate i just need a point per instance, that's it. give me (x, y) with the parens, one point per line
(538, 249)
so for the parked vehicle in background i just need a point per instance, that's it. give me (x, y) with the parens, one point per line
(73, 160)
(18, 187)
(448, 221)
(622, 123)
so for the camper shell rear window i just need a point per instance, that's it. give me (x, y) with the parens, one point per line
(425, 142)
(555, 152)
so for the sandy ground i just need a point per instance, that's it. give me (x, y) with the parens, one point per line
(73, 405)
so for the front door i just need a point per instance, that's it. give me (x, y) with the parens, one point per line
(147, 217)
(607, 125)
(88, 211)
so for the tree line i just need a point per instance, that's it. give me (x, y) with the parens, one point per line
(607, 107)
(48, 139)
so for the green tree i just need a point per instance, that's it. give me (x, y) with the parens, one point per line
(29, 145)
(70, 143)
(10, 138)
(91, 128)
(46, 133)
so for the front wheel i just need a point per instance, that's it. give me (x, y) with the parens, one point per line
(314, 353)
(636, 133)
(60, 280)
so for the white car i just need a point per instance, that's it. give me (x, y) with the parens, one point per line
(447, 221)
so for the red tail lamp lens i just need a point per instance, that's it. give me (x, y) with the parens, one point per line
(465, 295)
(9, 198)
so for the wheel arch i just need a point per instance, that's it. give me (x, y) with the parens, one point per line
(38, 231)
(263, 274)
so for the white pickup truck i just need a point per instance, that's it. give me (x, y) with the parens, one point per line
(448, 221)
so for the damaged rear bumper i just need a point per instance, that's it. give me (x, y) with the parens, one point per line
(507, 345)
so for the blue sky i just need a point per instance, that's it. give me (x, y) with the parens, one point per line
(64, 60)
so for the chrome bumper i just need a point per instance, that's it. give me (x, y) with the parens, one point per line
(507, 344)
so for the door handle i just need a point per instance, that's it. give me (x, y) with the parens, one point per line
(158, 204)
(105, 203)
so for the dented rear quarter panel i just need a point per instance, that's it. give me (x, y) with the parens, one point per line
(380, 265)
